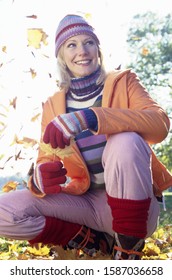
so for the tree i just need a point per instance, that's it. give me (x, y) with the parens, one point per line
(150, 50)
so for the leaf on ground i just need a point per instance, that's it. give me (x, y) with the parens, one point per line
(40, 250)
(151, 249)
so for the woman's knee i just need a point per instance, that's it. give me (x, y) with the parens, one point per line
(125, 146)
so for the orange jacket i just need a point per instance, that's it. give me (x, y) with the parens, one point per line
(126, 106)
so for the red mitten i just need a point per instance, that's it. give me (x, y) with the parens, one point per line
(48, 177)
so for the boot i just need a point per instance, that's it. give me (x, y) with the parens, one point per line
(91, 241)
(127, 247)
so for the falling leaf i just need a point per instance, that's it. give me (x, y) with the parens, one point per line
(45, 55)
(88, 16)
(32, 16)
(13, 102)
(34, 118)
(29, 142)
(33, 54)
(17, 156)
(31, 170)
(4, 49)
(35, 37)
(33, 73)
(8, 159)
(25, 141)
(10, 186)
(118, 67)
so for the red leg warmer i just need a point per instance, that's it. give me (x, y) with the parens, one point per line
(129, 216)
(56, 232)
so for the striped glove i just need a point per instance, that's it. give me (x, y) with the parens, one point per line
(60, 130)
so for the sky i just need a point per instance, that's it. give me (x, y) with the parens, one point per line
(111, 20)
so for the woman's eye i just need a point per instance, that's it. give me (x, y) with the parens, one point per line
(90, 42)
(71, 45)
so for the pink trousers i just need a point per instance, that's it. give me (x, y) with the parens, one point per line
(127, 173)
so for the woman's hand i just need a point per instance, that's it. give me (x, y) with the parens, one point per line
(48, 176)
(60, 130)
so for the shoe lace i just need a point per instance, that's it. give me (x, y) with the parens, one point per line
(128, 252)
(131, 253)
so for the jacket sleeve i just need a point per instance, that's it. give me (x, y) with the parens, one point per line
(47, 116)
(132, 109)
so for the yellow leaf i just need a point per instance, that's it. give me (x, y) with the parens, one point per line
(34, 118)
(33, 73)
(61, 153)
(158, 234)
(4, 256)
(35, 37)
(151, 249)
(10, 186)
(88, 16)
(40, 251)
(4, 49)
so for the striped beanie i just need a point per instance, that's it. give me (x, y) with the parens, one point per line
(72, 25)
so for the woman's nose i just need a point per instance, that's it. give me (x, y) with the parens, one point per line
(83, 49)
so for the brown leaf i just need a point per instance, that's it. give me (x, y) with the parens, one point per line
(61, 254)
(31, 170)
(13, 102)
(33, 73)
(32, 16)
(30, 141)
(18, 155)
(26, 141)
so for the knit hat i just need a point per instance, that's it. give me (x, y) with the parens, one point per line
(72, 25)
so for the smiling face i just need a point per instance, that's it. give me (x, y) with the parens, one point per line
(81, 55)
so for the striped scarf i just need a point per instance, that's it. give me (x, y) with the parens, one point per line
(84, 93)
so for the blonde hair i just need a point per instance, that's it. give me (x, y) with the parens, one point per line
(64, 74)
